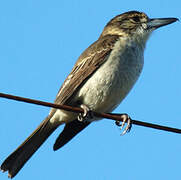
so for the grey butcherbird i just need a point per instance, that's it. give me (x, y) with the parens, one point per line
(101, 78)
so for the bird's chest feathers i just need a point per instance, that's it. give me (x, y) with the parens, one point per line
(108, 86)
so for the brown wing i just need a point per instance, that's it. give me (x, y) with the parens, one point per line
(90, 60)
(70, 130)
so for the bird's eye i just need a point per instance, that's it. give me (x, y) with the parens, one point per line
(136, 18)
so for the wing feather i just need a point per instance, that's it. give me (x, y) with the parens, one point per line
(90, 60)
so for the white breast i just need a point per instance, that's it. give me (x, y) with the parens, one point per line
(109, 85)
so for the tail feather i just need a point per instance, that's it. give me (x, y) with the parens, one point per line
(21, 155)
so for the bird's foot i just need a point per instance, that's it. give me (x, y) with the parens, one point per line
(86, 115)
(125, 119)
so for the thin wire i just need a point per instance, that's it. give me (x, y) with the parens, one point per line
(111, 116)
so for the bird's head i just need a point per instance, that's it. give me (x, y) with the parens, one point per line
(134, 24)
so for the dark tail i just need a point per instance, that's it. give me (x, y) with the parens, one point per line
(15, 161)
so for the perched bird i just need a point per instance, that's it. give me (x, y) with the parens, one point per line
(100, 79)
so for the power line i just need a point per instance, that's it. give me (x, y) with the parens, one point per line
(111, 116)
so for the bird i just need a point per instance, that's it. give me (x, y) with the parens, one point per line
(100, 79)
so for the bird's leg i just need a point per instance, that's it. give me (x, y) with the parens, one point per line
(86, 115)
(125, 119)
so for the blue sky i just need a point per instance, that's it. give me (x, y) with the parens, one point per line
(40, 41)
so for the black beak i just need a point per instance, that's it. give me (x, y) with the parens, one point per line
(159, 22)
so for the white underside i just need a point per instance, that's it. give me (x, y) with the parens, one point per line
(110, 84)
